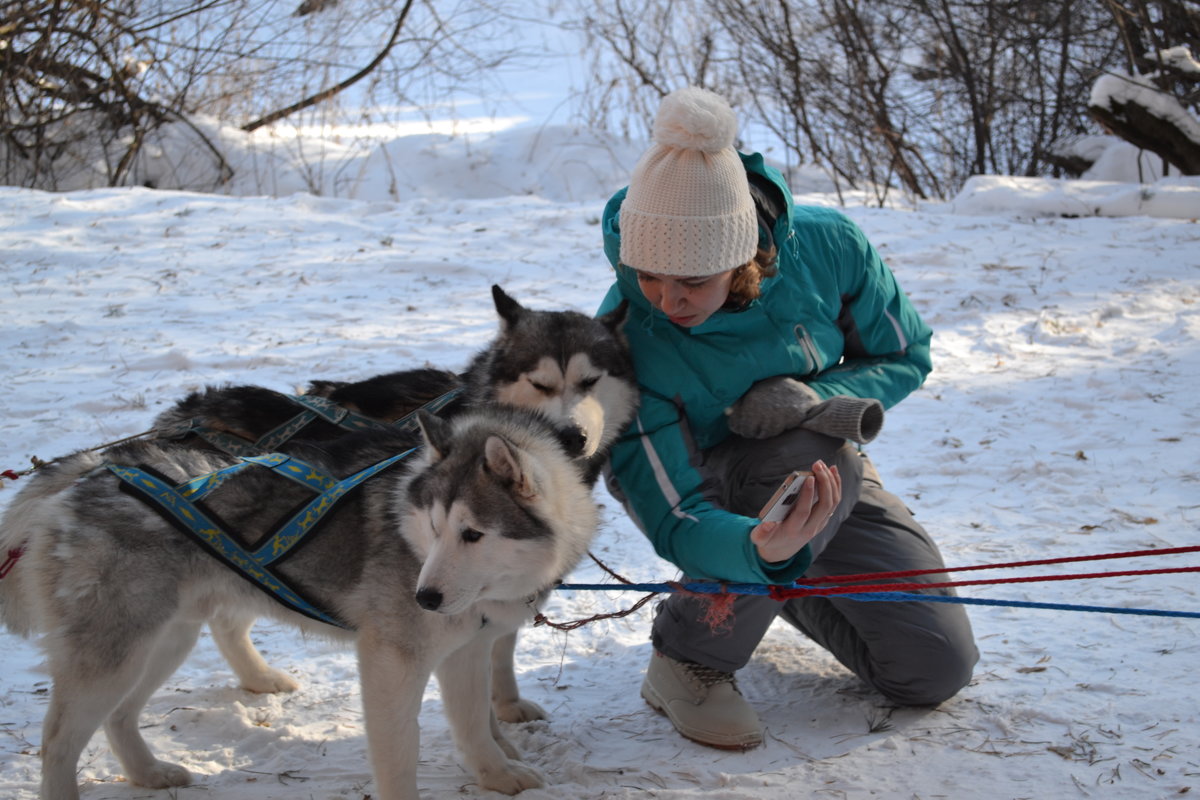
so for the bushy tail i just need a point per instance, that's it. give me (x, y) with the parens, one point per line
(26, 519)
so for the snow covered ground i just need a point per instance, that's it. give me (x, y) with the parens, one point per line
(1061, 420)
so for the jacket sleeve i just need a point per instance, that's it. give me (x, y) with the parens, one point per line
(887, 344)
(665, 495)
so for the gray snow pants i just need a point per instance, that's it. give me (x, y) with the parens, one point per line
(913, 653)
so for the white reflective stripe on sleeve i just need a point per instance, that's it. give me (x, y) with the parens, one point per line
(660, 476)
(899, 331)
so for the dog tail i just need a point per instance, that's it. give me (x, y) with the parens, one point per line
(24, 521)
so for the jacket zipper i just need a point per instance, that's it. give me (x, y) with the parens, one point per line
(811, 356)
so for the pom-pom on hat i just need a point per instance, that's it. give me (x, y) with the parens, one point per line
(688, 210)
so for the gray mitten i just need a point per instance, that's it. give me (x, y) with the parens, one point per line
(855, 418)
(771, 407)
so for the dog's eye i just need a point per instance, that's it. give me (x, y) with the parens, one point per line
(471, 535)
(543, 388)
(588, 383)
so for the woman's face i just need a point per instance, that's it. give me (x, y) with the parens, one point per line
(687, 301)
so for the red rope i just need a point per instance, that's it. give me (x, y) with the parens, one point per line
(12, 476)
(787, 592)
(719, 615)
(11, 561)
(718, 608)
(912, 573)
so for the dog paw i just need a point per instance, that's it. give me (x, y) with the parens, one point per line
(160, 775)
(519, 711)
(270, 681)
(512, 778)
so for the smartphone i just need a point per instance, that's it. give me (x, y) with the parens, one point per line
(785, 497)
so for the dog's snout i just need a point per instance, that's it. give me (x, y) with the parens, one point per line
(574, 440)
(429, 599)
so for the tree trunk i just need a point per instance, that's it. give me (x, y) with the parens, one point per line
(1136, 125)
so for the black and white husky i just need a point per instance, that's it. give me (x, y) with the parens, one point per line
(574, 369)
(424, 566)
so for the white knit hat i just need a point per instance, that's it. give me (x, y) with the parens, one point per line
(688, 210)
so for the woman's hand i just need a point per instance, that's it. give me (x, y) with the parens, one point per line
(779, 541)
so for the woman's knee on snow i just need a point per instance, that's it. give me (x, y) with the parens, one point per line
(928, 672)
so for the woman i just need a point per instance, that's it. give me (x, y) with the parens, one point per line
(765, 338)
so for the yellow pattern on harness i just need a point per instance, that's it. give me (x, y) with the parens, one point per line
(177, 505)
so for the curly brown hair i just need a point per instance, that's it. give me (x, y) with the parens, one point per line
(746, 285)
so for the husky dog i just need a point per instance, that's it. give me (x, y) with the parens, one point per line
(574, 369)
(424, 565)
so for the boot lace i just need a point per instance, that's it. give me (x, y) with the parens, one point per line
(708, 677)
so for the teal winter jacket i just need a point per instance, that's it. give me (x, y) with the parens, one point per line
(833, 316)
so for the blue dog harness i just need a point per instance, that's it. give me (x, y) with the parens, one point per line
(313, 408)
(177, 504)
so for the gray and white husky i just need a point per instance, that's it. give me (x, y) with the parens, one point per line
(575, 369)
(424, 566)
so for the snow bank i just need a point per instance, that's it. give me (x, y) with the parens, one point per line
(1177, 197)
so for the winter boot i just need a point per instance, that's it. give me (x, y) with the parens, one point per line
(703, 703)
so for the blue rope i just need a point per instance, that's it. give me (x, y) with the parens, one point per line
(698, 588)
(867, 597)
(979, 601)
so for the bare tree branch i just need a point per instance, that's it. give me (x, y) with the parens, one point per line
(912, 94)
(325, 94)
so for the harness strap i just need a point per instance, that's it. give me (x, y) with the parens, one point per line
(409, 421)
(295, 529)
(272, 439)
(175, 503)
(267, 443)
(338, 415)
(189, 519)
(314, 408)
(225, 442)
(301, 472)
(198, 487)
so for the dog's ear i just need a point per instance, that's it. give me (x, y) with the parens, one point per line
(614, 319)
(500, 460)
(436, 432)
(509, 310)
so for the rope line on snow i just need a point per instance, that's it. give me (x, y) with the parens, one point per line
(859, 588)
(1168, 551)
